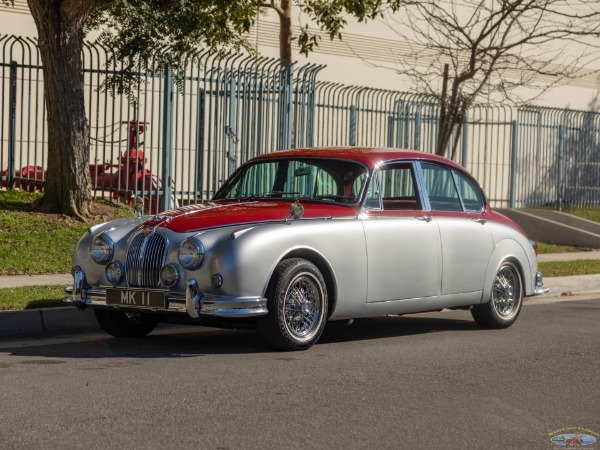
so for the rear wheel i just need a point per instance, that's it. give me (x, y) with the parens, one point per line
(507, 299)
(297, 304)
(122, 324)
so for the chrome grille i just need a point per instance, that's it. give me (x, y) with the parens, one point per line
(145, 258)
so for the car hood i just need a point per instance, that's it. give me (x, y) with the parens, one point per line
(220, 214)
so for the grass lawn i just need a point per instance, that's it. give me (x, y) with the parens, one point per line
(584, 213)
(553, 248)
(31, 297)
(34, 243)
(567, 268)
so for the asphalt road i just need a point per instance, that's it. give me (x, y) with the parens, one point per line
(422, 381)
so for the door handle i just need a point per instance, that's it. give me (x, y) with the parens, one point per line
(482, 221)
(424, 218)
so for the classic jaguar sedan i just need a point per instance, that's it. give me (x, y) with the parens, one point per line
(295, 239)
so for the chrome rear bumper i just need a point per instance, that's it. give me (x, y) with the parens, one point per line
(539, 285)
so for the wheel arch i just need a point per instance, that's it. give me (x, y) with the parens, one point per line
(324, 267)
(512, 251)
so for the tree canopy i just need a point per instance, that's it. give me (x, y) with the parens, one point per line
(495, 49)
(147, 34)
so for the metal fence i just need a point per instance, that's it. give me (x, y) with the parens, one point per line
(526, 157)
(229, 109)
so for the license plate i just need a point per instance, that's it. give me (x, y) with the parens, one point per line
(136, 298)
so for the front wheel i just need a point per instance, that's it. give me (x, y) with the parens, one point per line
(122, 324)
(507, 299)
(297, 304)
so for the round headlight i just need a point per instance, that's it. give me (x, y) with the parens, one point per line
(114, 272)
(101, 249)
(191, 253)
(169, 275)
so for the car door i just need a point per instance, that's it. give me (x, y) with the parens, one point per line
(458, 207)
(403, 244)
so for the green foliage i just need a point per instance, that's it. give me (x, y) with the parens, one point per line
(31, 297)
(330, 15)
(567, 268)
(150, 35)
(553, 248)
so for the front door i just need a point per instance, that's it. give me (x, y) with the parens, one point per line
(403, 244)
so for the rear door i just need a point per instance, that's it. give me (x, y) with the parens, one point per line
(458, 207)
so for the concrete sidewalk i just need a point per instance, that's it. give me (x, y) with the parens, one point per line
(575, 256)
(58, 321)
(35, 280)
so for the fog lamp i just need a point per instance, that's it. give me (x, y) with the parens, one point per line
(114, 272)
(169, 275)
(217, 280)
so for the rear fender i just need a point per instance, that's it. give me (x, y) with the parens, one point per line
(508, 249)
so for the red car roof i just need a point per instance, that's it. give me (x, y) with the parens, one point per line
(369, 156)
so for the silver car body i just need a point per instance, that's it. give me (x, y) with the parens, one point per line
(375, 262)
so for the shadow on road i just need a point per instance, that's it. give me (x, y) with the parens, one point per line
(175, 342)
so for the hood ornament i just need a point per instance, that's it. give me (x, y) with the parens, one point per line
(138, 205)
(296, 210)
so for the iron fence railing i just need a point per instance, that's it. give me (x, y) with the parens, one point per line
(229, 109)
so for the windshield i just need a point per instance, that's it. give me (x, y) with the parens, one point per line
(322, 179)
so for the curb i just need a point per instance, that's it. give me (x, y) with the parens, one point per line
(46, 322)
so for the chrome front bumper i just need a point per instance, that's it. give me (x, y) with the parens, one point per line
(194, 303)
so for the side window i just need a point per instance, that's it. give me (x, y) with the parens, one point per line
(395, 184)
(470, 193)
(441, 189)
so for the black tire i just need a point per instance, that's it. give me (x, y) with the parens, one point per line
(297, 304)
(506, 302)
(120, 324)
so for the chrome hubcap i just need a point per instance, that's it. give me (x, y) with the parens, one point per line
(507, 291)
(302, 306)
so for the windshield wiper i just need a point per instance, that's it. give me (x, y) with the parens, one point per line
(334, 197)
(270, 194)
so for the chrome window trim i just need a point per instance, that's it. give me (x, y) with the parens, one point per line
(417, 178)
(475, 186)
(454, 173)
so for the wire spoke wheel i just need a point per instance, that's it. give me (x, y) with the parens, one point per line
(506, 300)
(507, 291)
(297, 304)
(302, 306)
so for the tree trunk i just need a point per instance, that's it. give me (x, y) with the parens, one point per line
(285, 32)
(60, 30)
